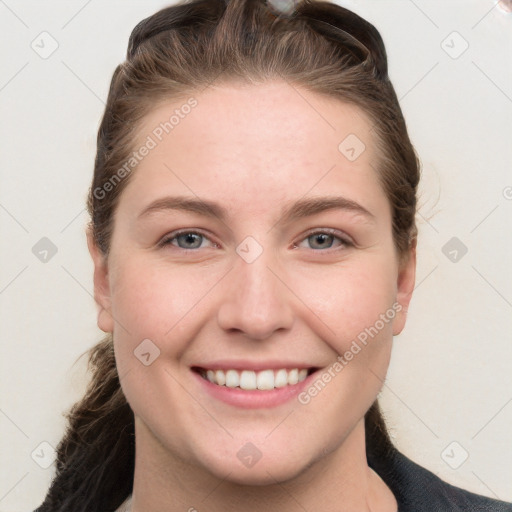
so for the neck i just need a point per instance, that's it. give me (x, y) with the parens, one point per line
(338, 481)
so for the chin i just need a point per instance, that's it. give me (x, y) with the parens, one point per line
(277, 467)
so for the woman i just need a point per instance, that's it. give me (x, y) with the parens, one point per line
(252, 220)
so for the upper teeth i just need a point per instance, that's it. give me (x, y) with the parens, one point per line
(263, 380)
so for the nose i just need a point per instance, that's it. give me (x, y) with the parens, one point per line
(256, 301)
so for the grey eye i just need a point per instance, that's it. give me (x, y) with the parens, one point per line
(189, 240)
(324, 240)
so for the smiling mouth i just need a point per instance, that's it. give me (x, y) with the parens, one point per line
(264, 380)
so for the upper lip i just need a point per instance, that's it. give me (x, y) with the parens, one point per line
(253, 365)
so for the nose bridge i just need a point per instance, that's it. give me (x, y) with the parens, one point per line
(256, 302)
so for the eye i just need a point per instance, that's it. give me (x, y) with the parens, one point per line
(318, 240)
(186, 240)
(325, 239)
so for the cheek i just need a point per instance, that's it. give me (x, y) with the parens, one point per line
(350, 299)
(157, 301)
(157, 309)
(149, 296)
(357, 305)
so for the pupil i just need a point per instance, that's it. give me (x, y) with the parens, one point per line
(190, 238)
(322, 238)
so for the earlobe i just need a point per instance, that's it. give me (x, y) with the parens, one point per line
(101, 284)
(105, 321)
(405, 287)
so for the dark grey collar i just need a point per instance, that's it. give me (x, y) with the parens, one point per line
(418, 490)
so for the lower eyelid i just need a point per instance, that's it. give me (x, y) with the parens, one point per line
(342, 244)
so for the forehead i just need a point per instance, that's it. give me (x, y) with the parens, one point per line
(259, 116)
(268, 142)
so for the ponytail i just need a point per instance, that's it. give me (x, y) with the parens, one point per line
(96, 457)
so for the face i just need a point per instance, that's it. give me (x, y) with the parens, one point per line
(252, 249)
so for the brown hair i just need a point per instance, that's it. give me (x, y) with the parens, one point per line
(177, 51)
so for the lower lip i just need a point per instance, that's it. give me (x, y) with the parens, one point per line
(253, 399)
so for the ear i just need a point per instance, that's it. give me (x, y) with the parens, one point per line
(101, 284)
(405, 287)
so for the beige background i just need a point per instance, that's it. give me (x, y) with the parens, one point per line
(451, 377)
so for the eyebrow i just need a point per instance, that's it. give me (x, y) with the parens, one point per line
(291, 211)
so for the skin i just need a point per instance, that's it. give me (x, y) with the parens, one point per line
(253, 148)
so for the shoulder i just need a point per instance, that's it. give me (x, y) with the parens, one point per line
(418, 490)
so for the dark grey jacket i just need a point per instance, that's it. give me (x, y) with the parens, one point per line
(418, 490)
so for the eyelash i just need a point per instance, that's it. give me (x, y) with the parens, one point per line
(345, 242)
(168, 239)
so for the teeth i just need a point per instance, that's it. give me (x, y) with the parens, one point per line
(249, 380)
(293, 376)
(220, 377)
(281, 379)
(232, 379)
(265, 380)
